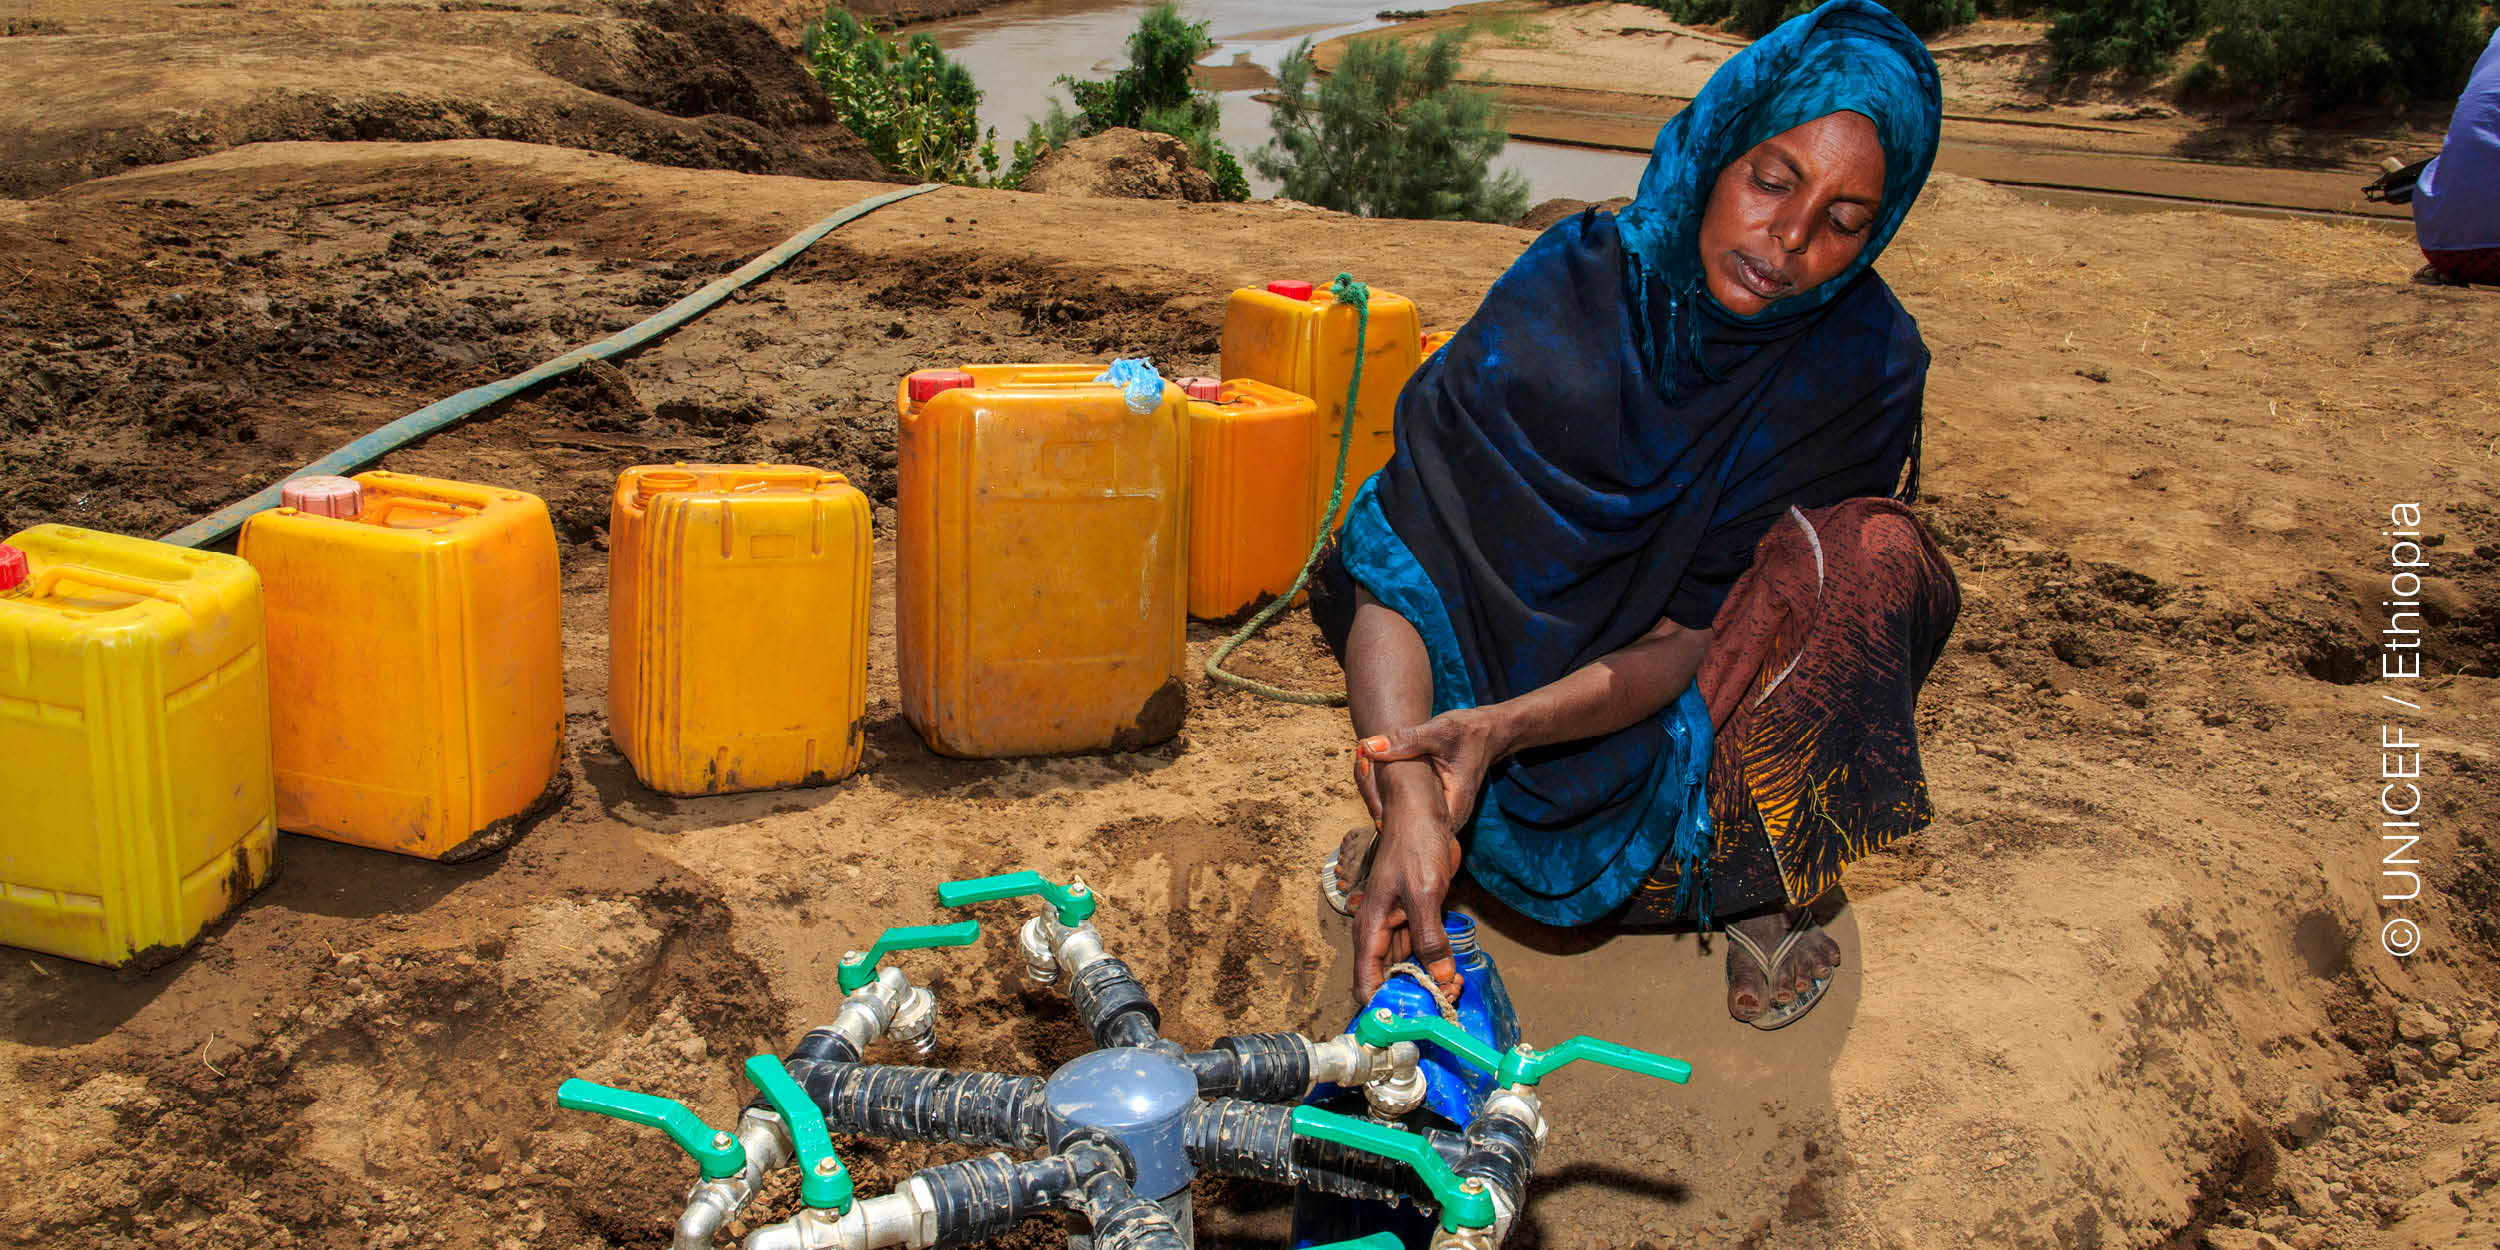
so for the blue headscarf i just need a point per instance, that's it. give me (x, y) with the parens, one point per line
(1846, 56)
(1562, 481)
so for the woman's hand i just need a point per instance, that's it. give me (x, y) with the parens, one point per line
(1398, 911)
(1462, 746)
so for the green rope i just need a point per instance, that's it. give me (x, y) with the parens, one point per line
(1347, 291)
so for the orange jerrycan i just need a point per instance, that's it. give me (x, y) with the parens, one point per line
(737, 625)
(1249, 471)
(134, 744)
(415, 660)
(1297, 336)
(1041, 561)
(1438, 339)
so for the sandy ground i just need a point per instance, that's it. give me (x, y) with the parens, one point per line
(1606, 75)
(2127, 992)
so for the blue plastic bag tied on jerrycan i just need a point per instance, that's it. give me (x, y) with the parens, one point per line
(1453, 1091)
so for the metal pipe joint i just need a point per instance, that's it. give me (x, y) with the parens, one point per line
(907, 1217)
(1053, 950)
(710, 1205)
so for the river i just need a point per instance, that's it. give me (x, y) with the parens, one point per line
(1016, 52)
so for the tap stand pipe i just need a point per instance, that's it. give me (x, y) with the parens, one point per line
(1261, 1067)
(927, 1104)
(1256, 1141)
(1114, 1005)
(1500, 1150)
(1121, 1219)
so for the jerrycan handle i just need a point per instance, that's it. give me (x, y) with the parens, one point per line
(779, 479)
(449, 509)
(103, 580)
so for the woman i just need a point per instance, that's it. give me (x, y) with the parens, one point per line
(1567, 537)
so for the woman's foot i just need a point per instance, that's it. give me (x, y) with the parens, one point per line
(1341, 878)
(1778, 965)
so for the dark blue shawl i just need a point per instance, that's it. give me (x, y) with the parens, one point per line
(1602, 444)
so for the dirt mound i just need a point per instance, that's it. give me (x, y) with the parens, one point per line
(1555, 210)
(1125, 164)
(104, 87)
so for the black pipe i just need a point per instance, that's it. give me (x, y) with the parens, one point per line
(821, 1045)
(978, 1199)
(1114, 1006)
(1501, 1152)
(927, 1104)
(1256, 1141)
(1121, 1220)
(1262, 1067)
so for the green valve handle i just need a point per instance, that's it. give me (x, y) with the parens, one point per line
(1073, 901)
(1526, 1065)
(1464, 1203)
(717, 1153)
(823, 1182)
(1380, 1027)
(860, 968)
(1377, 1241)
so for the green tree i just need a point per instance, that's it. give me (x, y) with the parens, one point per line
(2315, 55)
(2137, 36)
(1152, 93)
(1392, 133)
(917, 111)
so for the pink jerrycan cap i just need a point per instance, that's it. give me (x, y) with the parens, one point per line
(323, 495)
(1207, 390)
(1290, 288)
(926, 384)
(12, 567)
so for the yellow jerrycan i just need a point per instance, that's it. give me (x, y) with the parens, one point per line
(1250, 449)
(134, 744)
(737, 625)
(415, 660)
(1041, 561)
(1295, 335)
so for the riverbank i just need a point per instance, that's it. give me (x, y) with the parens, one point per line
(1606, 76)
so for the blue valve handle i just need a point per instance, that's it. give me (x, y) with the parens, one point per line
(1073, 902)
(824, 1183)
(1464, 1203)
(717, 1153)
(859, 972)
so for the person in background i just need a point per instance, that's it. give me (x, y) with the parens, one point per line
(2456, 201)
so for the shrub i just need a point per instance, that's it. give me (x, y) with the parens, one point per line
(2137, 36)
(1391, 133)
(917, 111)
(1152, 93)
(2315, 56)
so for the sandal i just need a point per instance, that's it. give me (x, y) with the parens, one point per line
(1784, 1014)
(1328, 887)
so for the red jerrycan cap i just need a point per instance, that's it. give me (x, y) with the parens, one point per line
(12, 567)
(928, 382)
(1209, 390)
(1290, 288)
(321, 495)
